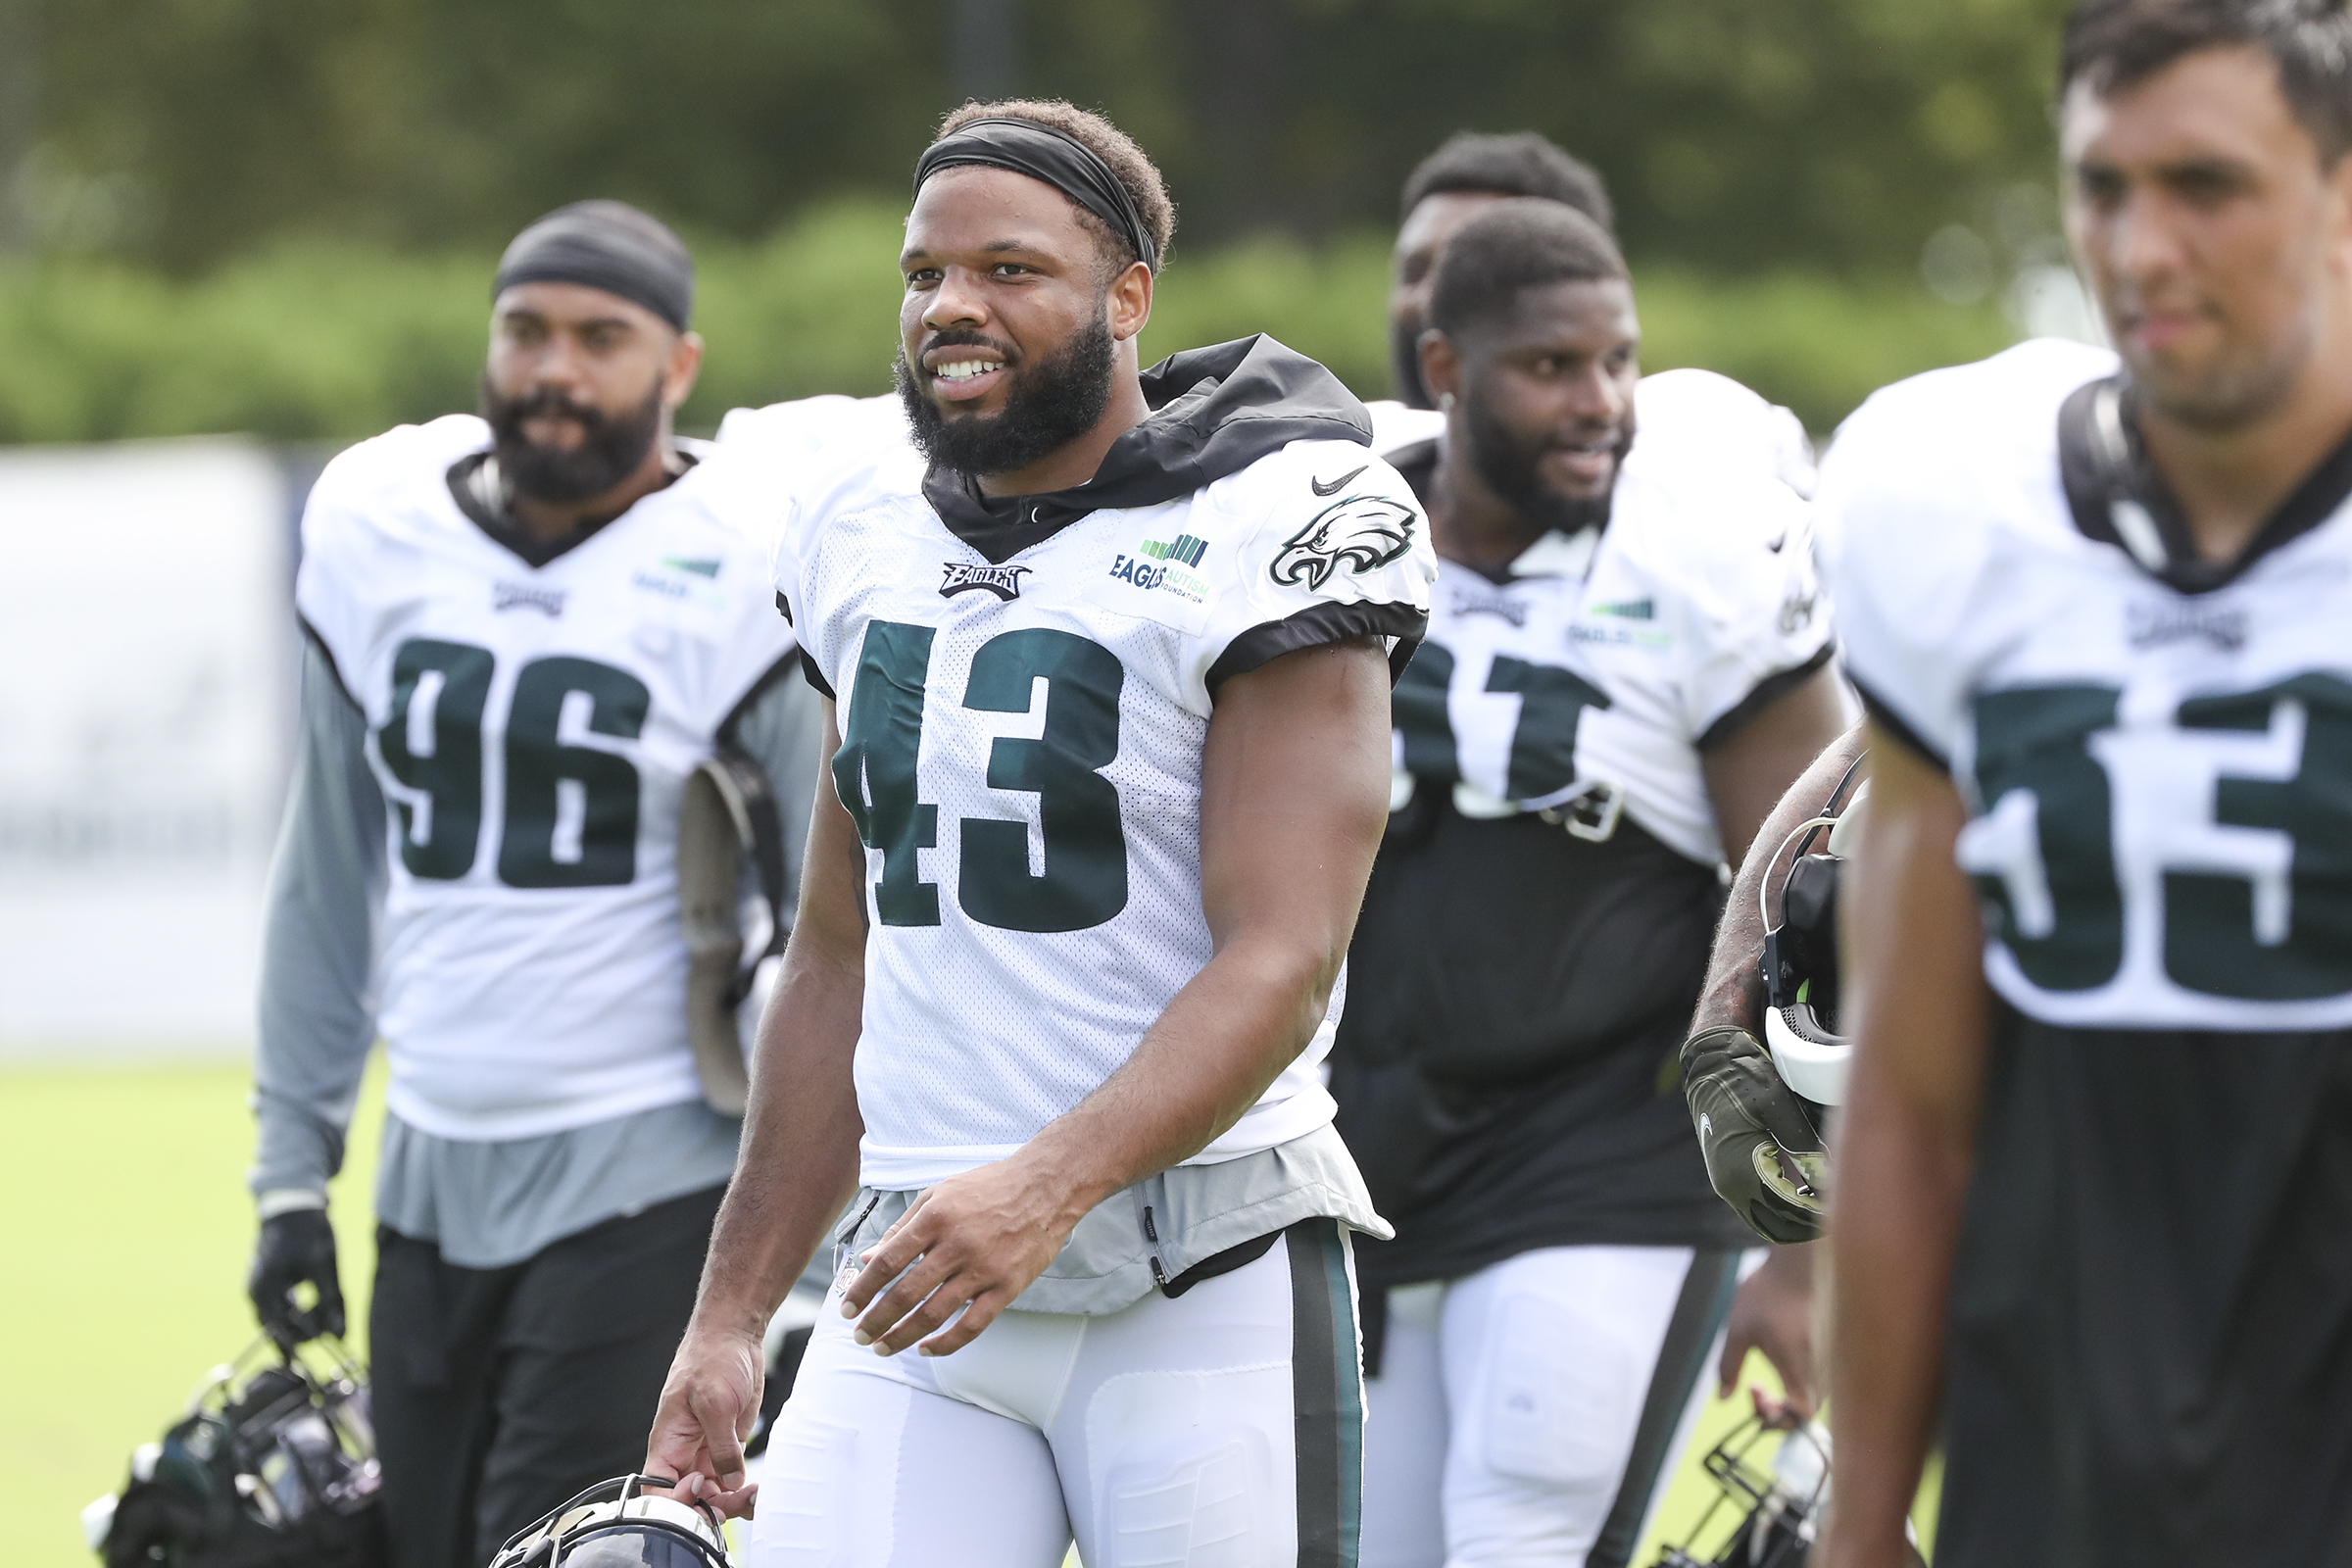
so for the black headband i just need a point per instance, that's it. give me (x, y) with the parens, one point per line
(1055, 157)
(606, 245)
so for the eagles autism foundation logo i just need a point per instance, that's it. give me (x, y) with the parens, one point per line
(1361, 533)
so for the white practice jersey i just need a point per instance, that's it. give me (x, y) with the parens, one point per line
(2155, 761)
(1687, 416)
(1021, 744)
(532, 727)
(1592, 672)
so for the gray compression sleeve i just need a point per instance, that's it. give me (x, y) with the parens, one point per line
(326, 888)
(783, 728)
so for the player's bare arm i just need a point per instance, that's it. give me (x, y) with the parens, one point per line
(1916, 1001)
(799, 1167)
(1293, 797)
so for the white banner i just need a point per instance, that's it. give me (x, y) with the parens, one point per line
(146, 707)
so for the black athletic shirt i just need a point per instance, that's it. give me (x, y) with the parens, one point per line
(1506, 1064)
(2149, 1353)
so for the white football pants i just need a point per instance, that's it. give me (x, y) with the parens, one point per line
(1524, 1415)
(1222, 1429)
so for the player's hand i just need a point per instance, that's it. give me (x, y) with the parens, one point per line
(709, 1404)
(294, 1249)
(1763, 1155)
(968, 1245)
(1772, 1312)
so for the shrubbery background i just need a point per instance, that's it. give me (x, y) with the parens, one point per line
(317, 342)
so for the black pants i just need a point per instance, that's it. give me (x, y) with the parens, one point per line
(499, 1393)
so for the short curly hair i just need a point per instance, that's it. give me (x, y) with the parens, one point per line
(1521, 164)
(1520, 243)
(1128, 163)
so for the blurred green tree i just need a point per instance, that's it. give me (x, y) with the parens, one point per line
(1831, 134)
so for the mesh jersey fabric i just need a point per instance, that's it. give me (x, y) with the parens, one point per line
(532, 727)
(2145, 1351)
(1022, 739)
(1505, 1073)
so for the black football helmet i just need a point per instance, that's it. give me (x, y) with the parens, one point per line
(617, 1523)
(274, 1466)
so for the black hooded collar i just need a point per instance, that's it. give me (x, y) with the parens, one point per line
(2118, 498)
(1214, 412)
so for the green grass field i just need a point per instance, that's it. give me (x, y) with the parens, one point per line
(126, 1238)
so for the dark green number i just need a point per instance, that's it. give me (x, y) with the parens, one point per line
(538, 849)
(441, 823)
(1544, 744)
(1418, 709)
(1084, 848)
(2037, 739)
(441, 820)
(1552, 699)
(873, 772)
(2212, 931)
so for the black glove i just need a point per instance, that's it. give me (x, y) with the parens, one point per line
(1763, 1154)
(294, 1246)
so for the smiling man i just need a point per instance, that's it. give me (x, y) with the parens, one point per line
(526, 631)
(1109, 666)
(1626, 664)
(2096, 1176)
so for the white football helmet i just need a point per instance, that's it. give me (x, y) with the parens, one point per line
(615, 1523)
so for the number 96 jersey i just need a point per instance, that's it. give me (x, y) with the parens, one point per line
(533, 724)
(1021, 737)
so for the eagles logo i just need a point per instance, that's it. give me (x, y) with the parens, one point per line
(1361, 531)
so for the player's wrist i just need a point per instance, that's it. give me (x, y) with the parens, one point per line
(1067, 1179)
(273, 1201)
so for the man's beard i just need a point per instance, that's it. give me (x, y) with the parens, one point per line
(1404, 365)
(611, 446)
(1509, 468)
(1052, 402)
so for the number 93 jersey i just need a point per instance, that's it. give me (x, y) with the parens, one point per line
(2155, 754)
(532, 726)
(1021, 748)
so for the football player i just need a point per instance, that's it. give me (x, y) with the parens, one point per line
(2094, 1176)
(524, 633)
(1738, 1102)
(1108, 670)
(1626, 664)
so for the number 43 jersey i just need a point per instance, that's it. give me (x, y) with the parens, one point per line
(1022, 731)
(532, 724)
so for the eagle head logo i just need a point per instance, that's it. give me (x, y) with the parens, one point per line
(1361, 531)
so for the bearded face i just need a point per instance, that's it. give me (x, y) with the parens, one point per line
(1049, 402)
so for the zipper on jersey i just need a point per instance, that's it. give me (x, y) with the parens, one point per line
(1159, 1275)
(842, 1242)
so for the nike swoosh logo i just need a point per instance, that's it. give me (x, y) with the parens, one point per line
(1775, 545)
(1333, 488)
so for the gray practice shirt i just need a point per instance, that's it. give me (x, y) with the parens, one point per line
(485, 1204)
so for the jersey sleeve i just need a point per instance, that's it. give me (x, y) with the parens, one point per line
(1758, 623)
(317, 990)
(329, 584)
(1900, 562)
(1329, 542)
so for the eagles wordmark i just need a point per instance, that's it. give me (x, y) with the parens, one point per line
(960, 576)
